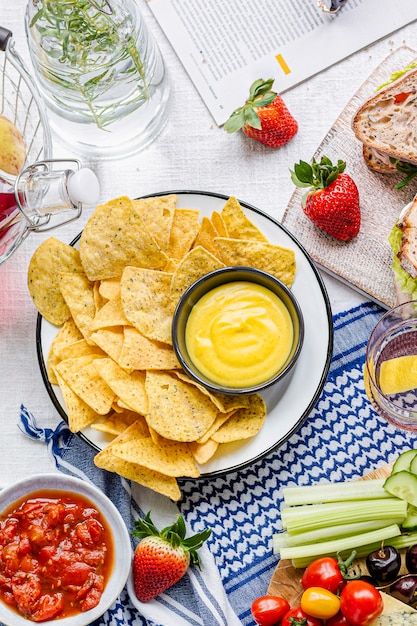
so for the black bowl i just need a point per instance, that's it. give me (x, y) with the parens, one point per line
(220, 277)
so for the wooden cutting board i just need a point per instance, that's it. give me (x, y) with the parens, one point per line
(285, 581)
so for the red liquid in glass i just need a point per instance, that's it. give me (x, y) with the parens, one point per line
(9, 217)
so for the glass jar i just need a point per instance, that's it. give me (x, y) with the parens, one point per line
(100, 72)
(42, 197)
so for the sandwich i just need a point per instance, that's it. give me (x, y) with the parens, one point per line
(386, 125)
(403, 242)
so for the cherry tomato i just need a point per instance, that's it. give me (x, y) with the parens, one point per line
(361, 603)
(269, 610)
(298, 617)
(48, 607)
(327, 572)
(319, 602)
(338, 620)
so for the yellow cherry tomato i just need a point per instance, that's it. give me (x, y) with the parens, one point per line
(319, 602)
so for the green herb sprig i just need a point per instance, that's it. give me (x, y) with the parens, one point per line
(82, 37)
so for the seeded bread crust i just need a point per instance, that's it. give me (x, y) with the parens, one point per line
(378, 161)
(408, 253)
(389, 127)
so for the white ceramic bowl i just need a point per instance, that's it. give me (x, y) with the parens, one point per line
(121, 542)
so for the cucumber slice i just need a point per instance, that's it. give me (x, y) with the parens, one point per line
(402, 484)
(403, 462)
(410, 522)
(413, 465)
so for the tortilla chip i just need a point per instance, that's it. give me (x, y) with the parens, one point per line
(219, 224)
(219, 421)
(238, 225)
(196, 263)
(244, 423)
(110, 340)
(166, 485)
(276, 260)
(81, 348)
(66, 335)
(157, 213)
(82, 377)
(223, 402)
(116, 236)
(118, 422)
(185, 227)
(203, 452)
(50, 259)
(168, 457)
(109, 288)
(99, 301)
(140, 353)
(227, 402)
(206, 235)
(111, 314)
(77, 291)
(177, 410)
(79, 413)
(147, 303)
(130, 388)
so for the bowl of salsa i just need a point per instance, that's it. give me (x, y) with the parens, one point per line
(238, 330)
(65, 552)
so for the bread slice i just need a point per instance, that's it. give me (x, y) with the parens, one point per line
(407, 223)
(378, 161)
(387, 122)
(408, 216)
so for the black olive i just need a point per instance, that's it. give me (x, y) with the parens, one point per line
(411, 559)
(405, 589)
(369, 580)
(384, 564)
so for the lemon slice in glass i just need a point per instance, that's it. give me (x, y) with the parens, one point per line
(398, 375)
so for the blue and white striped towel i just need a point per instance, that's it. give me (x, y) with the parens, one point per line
(341, 439)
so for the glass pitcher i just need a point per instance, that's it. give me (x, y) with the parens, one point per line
(100, 72)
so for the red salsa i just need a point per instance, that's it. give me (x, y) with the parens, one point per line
(56, 554)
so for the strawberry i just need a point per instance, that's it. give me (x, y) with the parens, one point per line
(264, 116)
(162, 558)
(332, 200)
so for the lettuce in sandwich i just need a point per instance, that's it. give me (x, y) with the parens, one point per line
(405, 282)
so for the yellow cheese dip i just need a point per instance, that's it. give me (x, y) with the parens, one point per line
(239, 334)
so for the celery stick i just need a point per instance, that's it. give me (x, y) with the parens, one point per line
(340, 531)
(401, 541)
(337, 545)
(297, 519)
(335, 492)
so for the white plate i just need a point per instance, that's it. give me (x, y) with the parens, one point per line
(287, 408)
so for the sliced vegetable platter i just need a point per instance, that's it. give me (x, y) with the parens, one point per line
(286, 580)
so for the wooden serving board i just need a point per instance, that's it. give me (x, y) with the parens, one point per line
(380, 202)
(285, 581)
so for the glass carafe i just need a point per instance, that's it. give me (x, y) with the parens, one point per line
(100, 72)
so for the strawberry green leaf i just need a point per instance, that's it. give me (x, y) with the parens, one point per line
(175, 535)
(260, 96)
(260, 87)
(252, 118)
(318, 175)
(262, 101)
(302, 175)
(235, 121)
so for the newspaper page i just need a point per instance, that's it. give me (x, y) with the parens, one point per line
(225, 45)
